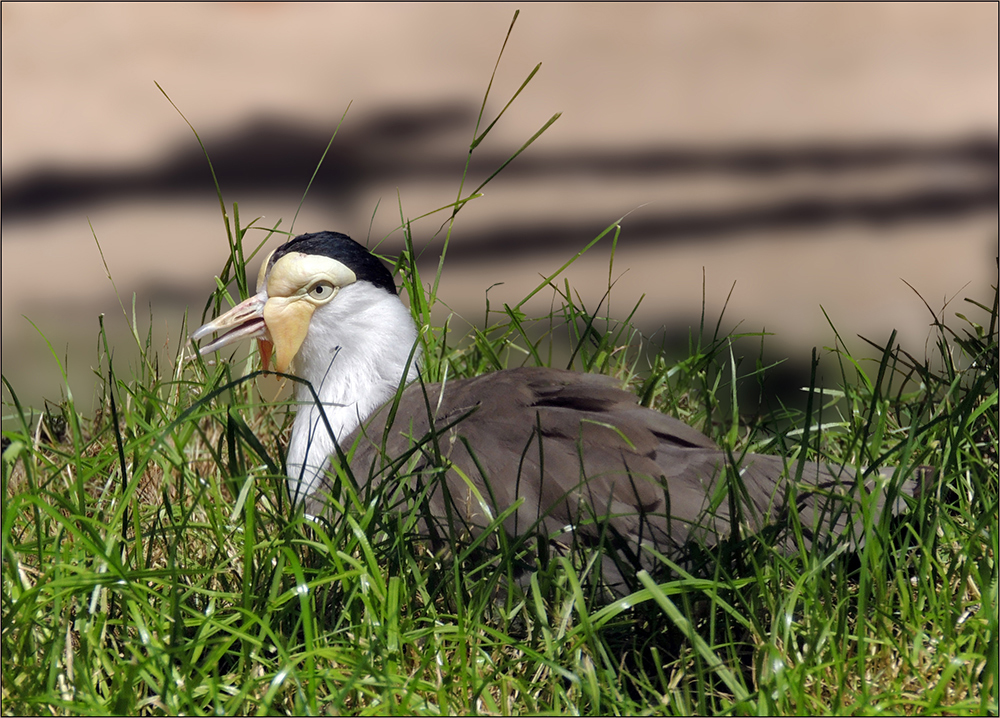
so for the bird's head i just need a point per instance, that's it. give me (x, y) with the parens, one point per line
(300, 279)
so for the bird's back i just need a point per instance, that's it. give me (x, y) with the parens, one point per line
(584, 462)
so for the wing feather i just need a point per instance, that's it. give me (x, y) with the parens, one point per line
(584, 458)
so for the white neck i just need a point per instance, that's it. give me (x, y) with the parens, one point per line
(355, 356)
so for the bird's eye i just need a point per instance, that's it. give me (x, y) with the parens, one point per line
(321, 290)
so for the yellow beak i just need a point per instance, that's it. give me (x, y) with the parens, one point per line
(279, 324)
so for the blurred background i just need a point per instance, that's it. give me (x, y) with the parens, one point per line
(820, 157)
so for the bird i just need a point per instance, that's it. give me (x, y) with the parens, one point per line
(570, 458)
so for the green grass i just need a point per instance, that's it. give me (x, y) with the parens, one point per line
(152, 564)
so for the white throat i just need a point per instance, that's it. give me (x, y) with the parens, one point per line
(355, 356)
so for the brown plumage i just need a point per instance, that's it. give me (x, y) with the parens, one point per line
(584, 458)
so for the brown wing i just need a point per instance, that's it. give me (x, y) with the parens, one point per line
(584, 460)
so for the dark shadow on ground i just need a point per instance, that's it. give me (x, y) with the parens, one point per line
(278, 157)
